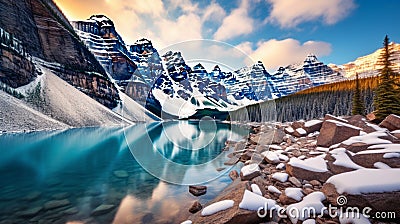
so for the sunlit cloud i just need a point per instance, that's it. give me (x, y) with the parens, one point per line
(290, 13)
(237, 23)
(275, 53)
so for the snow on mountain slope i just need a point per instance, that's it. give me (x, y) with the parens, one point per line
(133, 111)
(368, 65)
(16, 115)
(310, 73)
(68, 105)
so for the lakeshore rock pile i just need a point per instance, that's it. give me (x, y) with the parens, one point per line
(343, 162)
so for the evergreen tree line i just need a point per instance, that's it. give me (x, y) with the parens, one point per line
(380, 95)
(335, 99)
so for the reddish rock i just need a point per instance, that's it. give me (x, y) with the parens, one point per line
(391, 122)
(360, 121)
(310, 128)
(307, 174)
(285, 200)
(397, 135)
(196, 206)
(232, 215)
(233, 175)
(378, 202)
(371, 117)
(250, 176)
(315, 183)
(299, 132)
(295, 181)
(240, 146)
(335, 169)
(331, 117)
(368, 160)
(232, 161)
(355, 147)
(198, 190)
(297, 124)
(273, 136)
(333, 132)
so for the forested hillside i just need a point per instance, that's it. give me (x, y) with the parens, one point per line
(335, 98)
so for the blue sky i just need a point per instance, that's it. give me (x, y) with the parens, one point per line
(277, 32)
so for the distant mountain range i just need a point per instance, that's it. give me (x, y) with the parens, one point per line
(367, 65)
(170, 87)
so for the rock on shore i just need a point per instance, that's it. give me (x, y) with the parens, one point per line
(321, 160)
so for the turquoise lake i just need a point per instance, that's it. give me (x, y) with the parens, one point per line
(135, 174)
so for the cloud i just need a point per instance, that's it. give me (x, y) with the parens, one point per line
(214, 12)
(237, 23)
(290, 13)
(185, 27)
(275, 53)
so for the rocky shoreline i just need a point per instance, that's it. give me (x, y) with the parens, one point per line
(313, 164)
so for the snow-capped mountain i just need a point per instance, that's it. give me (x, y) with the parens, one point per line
(99, 35)
(368, 65)
(170, 86)
(134, 68)
(311, 72)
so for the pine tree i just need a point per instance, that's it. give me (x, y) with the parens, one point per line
(358, 103)
(386, 99)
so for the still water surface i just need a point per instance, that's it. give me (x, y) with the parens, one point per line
(63, 176)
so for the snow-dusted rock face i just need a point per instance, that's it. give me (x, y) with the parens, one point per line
(311, 72)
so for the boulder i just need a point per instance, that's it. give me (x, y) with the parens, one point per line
(391, 122)
(333, 132)
(197, 190)
(273, 136)
(355, 147)
(331, 117)
(240, 146)
(312, 126)
(297, 124)
(371, 117)
(307, 174)
(295, 181)
(368, 160)
(299, 132)
(102, 209)
(336, 169)
(56, 204)
(279, 134)
(232, 161)
(360, 121)
(286, 200)
(196, 206)
(231, 215)
(233, 175)
(378, 202)
(396, 134)
(249, 172)
(309, 169)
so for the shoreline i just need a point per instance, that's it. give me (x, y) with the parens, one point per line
(292, 145)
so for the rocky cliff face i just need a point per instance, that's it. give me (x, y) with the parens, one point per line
(47, 34)
(16, 67)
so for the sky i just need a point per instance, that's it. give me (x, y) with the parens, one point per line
(276, 32)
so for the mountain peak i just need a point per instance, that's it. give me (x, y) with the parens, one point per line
(216, 68)
(102, 20)
(311, 58)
